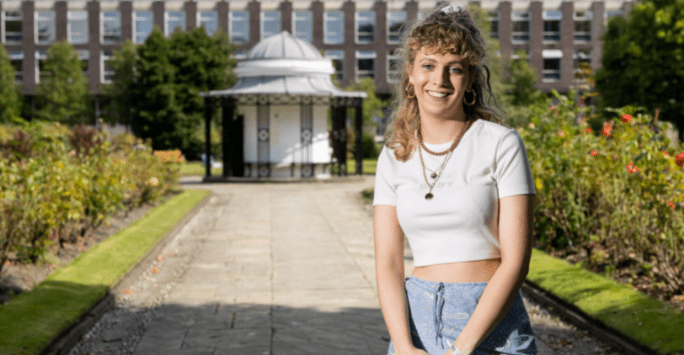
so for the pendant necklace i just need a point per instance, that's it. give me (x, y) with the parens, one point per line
(437, 173)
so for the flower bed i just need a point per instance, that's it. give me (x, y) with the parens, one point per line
(609, 200)
(58, 184)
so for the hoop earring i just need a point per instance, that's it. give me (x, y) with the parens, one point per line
(407, 91)
(474, 98)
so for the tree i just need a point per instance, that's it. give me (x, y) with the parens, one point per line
(522, 79)
(642, 60)
(120, 91)
(167, 77)
(62, 94)
(10, 100)
(372, 105)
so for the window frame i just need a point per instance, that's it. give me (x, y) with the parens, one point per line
(70, 17)
(550, 16)
(136, 31)
(3, 26)
(326, 19)
(103, 73)
(398, 34)
(168, 31)
(547, 73)
(102, 27)
(364, 55)
(84, 56)
(494, 19)
(393, 54)
(40, 55)
(262, 26)
(308, 20)
(231, 22)
(517, 16)
(13, 57)
(201, 19)
(358, 33)
(337, 54)
(52, 19)
(587, 17)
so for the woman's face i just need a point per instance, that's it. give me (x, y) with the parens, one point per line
(439, 81)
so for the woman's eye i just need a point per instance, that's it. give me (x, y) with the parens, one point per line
(427, 66)
(456, 70)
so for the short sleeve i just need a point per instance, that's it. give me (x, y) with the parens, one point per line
(513, 173)
(385, 187)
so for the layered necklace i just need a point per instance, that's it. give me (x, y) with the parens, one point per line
(436, 174)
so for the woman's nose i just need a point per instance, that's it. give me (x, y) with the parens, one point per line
(441, 77)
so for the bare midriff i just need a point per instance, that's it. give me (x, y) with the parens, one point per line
(466, 271)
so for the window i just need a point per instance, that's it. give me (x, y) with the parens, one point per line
(174, 19)
(493, 17)
(365, 64)
(84, 57)
(302, 22)
(521, 26)
(77, 27)
(333, 27)
(552, 27)
(396, 23)
(208, 19)
(337, 57)
(41, 73)
(581, 56)
(365, 26)
(106, 72)
(239, 54)
(239, 27)
(110, 33)
(17, 60)
(583, 26)
(270, 23)
(45, 27)
(12, 25)
(143, 22)
(422, 15)
(393, 66)
(552, 59)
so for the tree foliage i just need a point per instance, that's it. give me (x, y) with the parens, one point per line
(522, 79)
(642, 60)
(10, 100)
(119, 91)
(372, 105)
(160, 82)
(62, 95)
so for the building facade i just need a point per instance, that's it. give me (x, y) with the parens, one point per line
(360, 36)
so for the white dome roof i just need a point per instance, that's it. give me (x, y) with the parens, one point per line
(283, 55)
(283, 46)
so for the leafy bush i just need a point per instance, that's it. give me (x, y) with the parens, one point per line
(611, 194)
(57, 184)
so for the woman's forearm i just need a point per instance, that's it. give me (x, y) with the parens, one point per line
(393, 303)
(492, 307)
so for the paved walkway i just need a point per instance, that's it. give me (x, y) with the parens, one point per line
(282, 269)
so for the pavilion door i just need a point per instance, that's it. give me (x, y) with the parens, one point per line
(233, 126)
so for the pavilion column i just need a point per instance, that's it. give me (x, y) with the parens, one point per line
(339, 137)
(207, 135)
(359, 137)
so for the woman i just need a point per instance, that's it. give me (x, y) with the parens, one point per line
(459, 186)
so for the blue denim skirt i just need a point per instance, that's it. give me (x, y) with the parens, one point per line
(438, 311)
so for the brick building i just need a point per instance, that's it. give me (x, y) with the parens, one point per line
(360, 36)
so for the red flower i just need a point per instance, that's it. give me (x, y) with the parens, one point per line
(632, 169)
(588, 130)
(671, 204)
(626, 118)
(607, 130)
(561, 133)
(593, 153)
(680, 159)
(666, 154)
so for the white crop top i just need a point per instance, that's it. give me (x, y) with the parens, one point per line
(460, 223)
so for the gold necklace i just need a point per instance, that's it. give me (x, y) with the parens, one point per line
(438, 173)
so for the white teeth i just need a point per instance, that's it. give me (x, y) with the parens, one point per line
(437, 94)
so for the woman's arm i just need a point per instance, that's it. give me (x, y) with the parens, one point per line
(389, 272)
(516, 214)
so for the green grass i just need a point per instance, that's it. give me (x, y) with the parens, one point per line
(31, 320)
(644, 319)
(196, 168)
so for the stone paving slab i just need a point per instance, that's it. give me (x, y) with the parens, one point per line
(285, 269)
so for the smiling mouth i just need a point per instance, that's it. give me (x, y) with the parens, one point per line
(438, 94)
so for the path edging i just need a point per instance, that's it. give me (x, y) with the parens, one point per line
(65, 341)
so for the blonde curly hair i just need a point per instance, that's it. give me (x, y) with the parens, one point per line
(453, 32)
